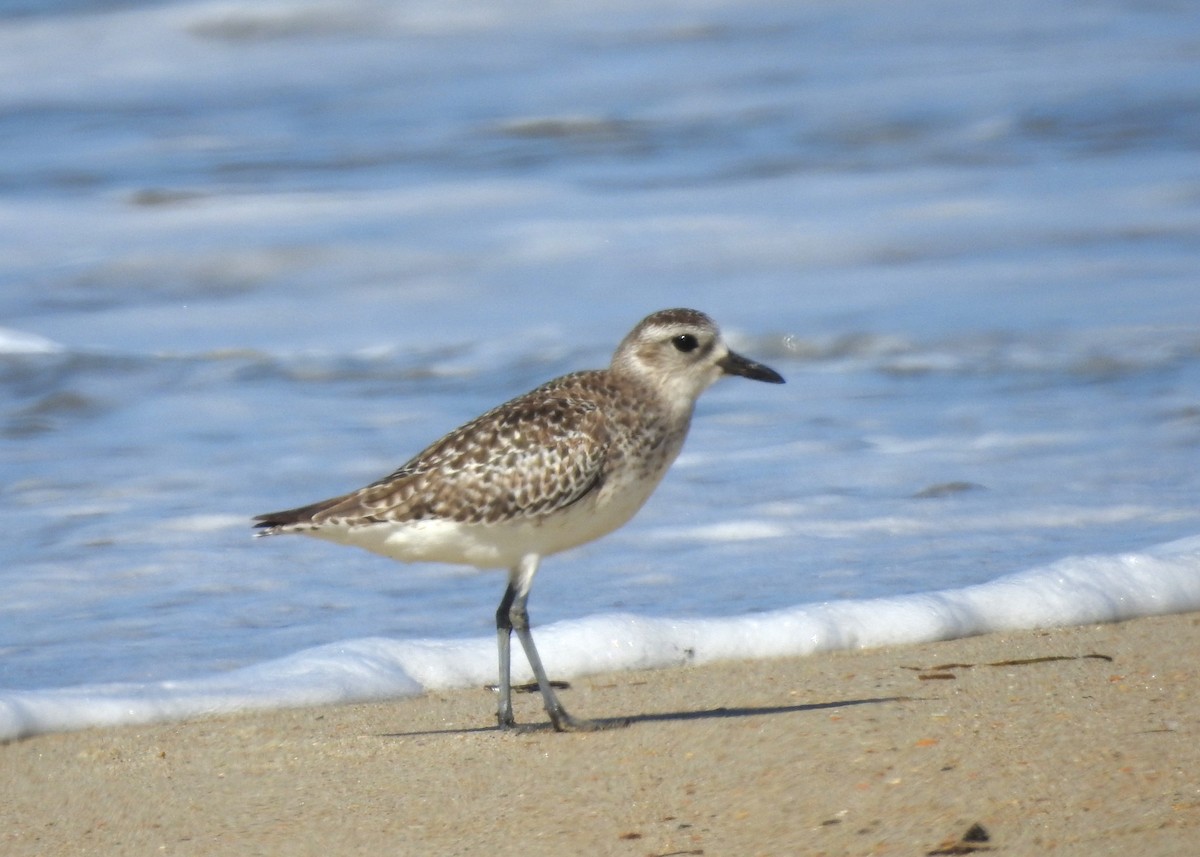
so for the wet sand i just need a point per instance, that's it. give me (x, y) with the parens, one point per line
(1079, 741)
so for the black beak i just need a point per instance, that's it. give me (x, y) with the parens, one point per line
(736, 364)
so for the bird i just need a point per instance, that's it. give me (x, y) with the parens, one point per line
(555, 468)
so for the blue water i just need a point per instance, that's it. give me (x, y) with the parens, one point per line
(255, 255)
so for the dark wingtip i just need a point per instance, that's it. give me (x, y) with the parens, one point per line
(276, 522)
(266, 525)
(289, 519)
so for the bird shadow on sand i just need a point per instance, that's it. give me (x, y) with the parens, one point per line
(609, 723)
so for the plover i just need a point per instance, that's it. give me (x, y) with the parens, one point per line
(550, 470)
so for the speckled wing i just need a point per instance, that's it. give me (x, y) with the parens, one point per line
(525, 459)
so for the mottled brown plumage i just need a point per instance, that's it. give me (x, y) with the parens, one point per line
(547, 471)
(526, 458)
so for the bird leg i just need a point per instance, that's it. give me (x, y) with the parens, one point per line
(504, 712)
(559, 718)
(512, 615)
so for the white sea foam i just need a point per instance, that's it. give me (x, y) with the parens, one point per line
(22, 342)
(1074, 590)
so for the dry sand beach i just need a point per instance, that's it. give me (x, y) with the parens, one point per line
(1079, 741)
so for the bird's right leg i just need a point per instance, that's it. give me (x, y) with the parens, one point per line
(504, 712)
(512, 615)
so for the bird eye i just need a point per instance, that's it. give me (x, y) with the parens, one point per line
(685, 342)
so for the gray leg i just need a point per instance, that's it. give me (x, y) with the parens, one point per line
(513, 616)
(561, 720)
(504, 712)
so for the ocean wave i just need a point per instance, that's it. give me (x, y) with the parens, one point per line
(1072, 591)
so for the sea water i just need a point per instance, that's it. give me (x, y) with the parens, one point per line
(253, 255)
